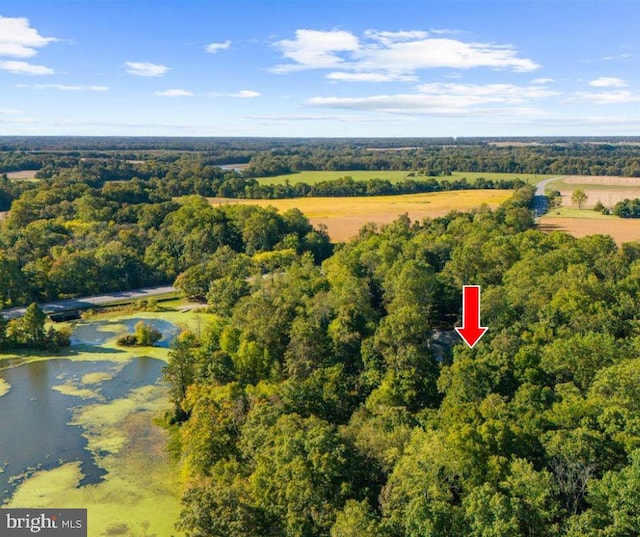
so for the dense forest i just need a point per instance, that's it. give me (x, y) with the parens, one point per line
(68, 239)
(326, 399)
(318, 405)
(267, 156)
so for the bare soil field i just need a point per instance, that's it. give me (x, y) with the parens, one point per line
(601, 180)
(621, 229)
(608, 190)
(22, 175)
(344, 217)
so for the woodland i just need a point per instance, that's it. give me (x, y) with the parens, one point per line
(319, 402)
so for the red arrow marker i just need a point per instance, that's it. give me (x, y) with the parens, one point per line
(471, 330)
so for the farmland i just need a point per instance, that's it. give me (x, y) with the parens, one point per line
(580, 223)
(320, 391)
(608, 190)
(622, 230)
(22, 175)
(345, 216)
(313, 177)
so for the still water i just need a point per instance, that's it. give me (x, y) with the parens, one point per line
(34, 418)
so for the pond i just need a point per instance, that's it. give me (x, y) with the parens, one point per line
(37, 411)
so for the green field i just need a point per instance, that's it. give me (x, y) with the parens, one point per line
(569, 212)
(588, 183)
(313, 177)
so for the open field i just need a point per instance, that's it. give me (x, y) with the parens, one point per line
(574, 212)
(579, 223)
(621, 229)
(608, 190)
(345, 216)
(312, 177)
(22, 175)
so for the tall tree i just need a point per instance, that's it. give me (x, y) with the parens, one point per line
(579, 196)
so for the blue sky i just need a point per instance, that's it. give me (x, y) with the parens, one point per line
(311, 68)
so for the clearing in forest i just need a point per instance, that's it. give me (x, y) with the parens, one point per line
(22, 175)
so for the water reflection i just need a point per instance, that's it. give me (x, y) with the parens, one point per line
(35, 430)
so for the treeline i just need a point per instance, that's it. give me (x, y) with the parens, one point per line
(72, 237)
(273, 156)
(436, 160)
(317, 406)
(347, 186)
(180, 175)
(30, 332)
(627, 208)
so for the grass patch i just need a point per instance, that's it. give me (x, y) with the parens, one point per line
(569, 212)
(4, 387)
(313, 177)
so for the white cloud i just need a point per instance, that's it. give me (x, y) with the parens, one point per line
(441, 99)
(313, 49)
(242, 94)
(19, 39)
(24, 68)
(623, 56)
(215, 47)
(333, 118)
(388, 38)
(174, 93)
(542, 81)
(607, 97)
(246, 94)
(443, 52)
(396, 54)
(63, 87)
(146, 69)
(343, 76)
(608, 82)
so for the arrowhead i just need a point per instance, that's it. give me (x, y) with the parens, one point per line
(471, 336)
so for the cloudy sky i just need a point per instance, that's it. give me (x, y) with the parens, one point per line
(312, 68)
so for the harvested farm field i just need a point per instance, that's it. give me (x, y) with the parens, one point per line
(22, 175)
(607, 189)
(621, 229)
(344, 217)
